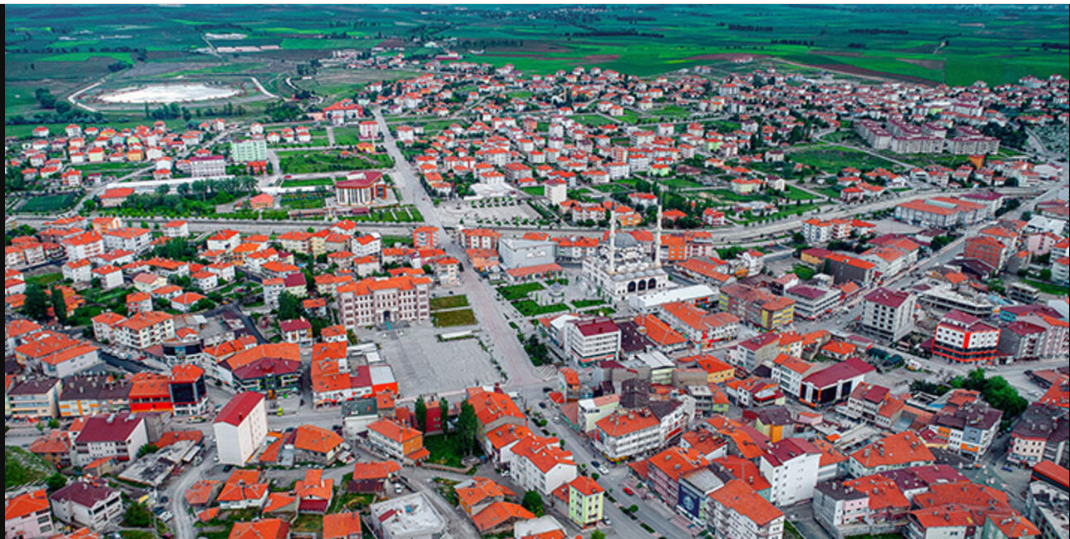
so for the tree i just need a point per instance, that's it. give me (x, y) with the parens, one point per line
(137, 516)
(597, 534)
(289, 307)
(421, 414)
(533, 502)
(467, 427)
(59, 305)
(55, 482)
(444, 413)
(36, 303)
(147, 449)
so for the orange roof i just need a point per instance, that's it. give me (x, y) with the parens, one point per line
(586, 486)
(341, 525)
(883, 492)
(894, 450)
(201, 492)
(498, 514)
(375, 470)
(147, 385)
(621, 424)
(742, 499)
(658, 331)
(491, 405)
(544, 453)
(393, 430)
(25, 504)
(316, 439)
(675, 461)
(243, 485)
(507, 434)
(289, 351)
(269, 528)
(481, 489)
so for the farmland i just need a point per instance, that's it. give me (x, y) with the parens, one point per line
(956, 45)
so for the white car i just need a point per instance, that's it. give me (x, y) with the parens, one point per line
(166, 516)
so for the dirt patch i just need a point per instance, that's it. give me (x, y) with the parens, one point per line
(869, 73)
(600, 58)
(927, 64)
(724, 56)
(391, 42)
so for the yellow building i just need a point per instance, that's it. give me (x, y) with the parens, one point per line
(585, 501)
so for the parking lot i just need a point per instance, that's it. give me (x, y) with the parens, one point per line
(493, 214)
(424, 365)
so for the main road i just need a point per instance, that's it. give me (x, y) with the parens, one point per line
(506, 347)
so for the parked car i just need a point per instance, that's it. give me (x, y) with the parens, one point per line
(629, 491)
(167, 515)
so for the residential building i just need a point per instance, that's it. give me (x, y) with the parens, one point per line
(118, 435)
(791, 467)
(90, 504)
(893, 452)
(210, 166)
(737, 511)
(243, 421)
(406, 517)
(27, 515)
(592, 340)
(628, 434)
(396, 440)
(540, 464)
(585, 500)
(888, 314)
(963, 338)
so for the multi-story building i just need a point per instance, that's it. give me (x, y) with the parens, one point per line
(118, 435)
(941, 212)
(589, 341)
(243, 423)
(129, 239)
(838, 505)
(737, 511)
(585, 500)
(425, 237)
(28, 515)
(480, 238)
(209, 166)
(893, 452)
(373, 300)
(187, 390)
(966, 339)
(93, 394)
(144, 329)
(243, 151)
(33, 398)
(85, 245)
(541, 464)
(757, 307)
(406, 517)
(987, 249)
(522, 253)
(665, 469)
(628, 434)
(888, 314)
(791, 467)
(361, 188)
(398, 441)
(1040, 434)
(812, 302)
(968, 428)
(90, 504)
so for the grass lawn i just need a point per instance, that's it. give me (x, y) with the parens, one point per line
(308, 183)
(50, 203)
(45, 279)
(346, 136)
(535, 190)
(308, 524)
(137, 534)
(302, 203)
(804, 272)
(23, 467)
(444, 449)
(830, 192)
(449, 302)
(303, 163)
(729, 196)
(528, 307)
(583, 303)
(446, 319)
(679, 183)
(832, 159)
(519, 291)
(593, 120)
(1047, 288)
(390, 241)
(610, 188)
(795, 193)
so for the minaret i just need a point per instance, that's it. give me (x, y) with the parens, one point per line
(612, 243)
(657, 241)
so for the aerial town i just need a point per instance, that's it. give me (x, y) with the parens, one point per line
(740, 299)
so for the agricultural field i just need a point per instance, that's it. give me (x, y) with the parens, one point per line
(832, 159)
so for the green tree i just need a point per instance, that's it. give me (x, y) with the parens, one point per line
(147, 449)
(289, 306)
(421, 414)
(467, 427)
(55, 482)
(533, 502)
(137, 516)
(597, 534)
(59, 305)
(36, 303)
(444, 414)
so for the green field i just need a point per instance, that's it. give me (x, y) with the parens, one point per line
(953, 44)
(528, 307)
(50, 203)
(833, 159)
(518, 291)
(461, 317)
(449, 302)
(308, 183)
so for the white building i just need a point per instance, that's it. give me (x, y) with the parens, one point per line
(737, 511)
(888, 314)
(540, 464)
(129, 239)
(373, 301)
(591, 340)
(95, 506)
(520, 253)
(406, 517)
(623, 267)
(241, 427)
(791, 467)
(113, 435)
